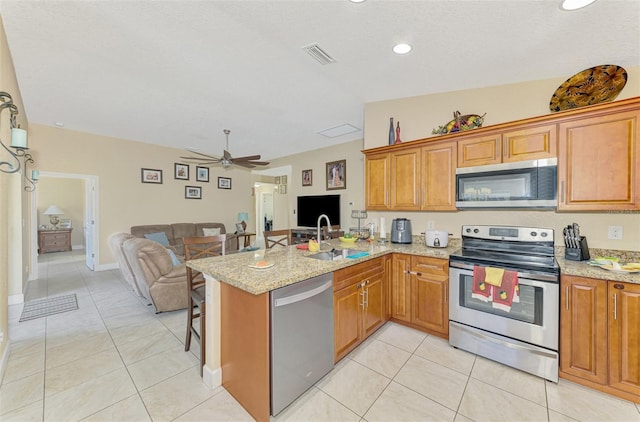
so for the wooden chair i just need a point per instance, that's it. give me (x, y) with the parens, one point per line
(333, 234)
(277, 237)
(196, 248)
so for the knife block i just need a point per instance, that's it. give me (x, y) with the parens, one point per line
(578, 254)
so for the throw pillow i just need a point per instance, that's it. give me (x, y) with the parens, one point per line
(160, 237)
(174, 259)
(212, 231)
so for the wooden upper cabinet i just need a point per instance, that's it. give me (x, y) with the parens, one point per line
(439, 176)
(405, 179)
(624, 338)
(377, 178)
(599, 163)
(530, 143)
(480, 150)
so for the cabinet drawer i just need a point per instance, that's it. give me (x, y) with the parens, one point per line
(427, 265)
(55, 238)
(356, 273)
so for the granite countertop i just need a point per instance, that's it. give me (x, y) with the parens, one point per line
(290, 264)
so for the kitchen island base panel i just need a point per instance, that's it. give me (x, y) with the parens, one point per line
(244, 349)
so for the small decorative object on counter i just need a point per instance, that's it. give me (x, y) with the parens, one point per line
(576, 248)
(460, 123)
(398, 141)
(392, 136)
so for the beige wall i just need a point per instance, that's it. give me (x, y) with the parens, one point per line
(123, 201)
(351, 198)
(419, 115)
(14, 260)
(69, 196)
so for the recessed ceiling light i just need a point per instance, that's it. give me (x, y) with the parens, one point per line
(59, 124)
(401, 48)
(575, 4)
(357, 1)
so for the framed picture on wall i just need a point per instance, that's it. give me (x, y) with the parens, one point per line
(336, 175)
(202, 174)
(65, 223)
(151, 176)
(224, 183)
(307, 177)
(193, 192)
(181, 171)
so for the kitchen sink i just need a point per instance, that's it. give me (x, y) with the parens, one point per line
(332, 254)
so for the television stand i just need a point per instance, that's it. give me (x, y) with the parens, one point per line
(302, 235)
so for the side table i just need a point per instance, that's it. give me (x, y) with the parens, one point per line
(55, 240)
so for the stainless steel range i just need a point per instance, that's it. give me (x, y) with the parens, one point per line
(504, 304)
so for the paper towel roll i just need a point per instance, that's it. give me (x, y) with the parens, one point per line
(383, 228)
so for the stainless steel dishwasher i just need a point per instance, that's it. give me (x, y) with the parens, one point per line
(301, 338)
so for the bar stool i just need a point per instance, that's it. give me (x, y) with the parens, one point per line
(277, 237)
(196, 248)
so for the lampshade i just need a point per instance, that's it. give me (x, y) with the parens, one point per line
(18, 138)
(243, 216)
(53, 210)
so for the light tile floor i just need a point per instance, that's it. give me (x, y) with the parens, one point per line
(114, 359)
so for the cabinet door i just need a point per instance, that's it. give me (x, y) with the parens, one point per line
(439, 177)
(624, 337)
(347, 314)
(405, 179)
(481, 150)
(429, 293)
(401, 288)
(530, 144)
(373, 316)
(599, 163)
(583, 328)
(377, 179)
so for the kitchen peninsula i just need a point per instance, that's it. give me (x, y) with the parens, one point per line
(238, 310)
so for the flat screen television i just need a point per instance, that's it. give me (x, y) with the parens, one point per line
(312, 207)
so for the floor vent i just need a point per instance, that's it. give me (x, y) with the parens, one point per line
(319, 54)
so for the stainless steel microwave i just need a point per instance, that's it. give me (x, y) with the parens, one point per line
(522, 184)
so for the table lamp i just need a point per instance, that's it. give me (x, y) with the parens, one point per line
(243, 217)
(53, 212)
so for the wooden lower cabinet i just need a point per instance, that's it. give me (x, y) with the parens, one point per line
(600, 335)
(420, 289)
(359, 304)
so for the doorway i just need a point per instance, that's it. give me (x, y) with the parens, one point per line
(87, 218)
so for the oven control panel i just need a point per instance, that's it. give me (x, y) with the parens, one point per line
(518, 234)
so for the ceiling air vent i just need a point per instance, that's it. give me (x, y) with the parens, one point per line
(319, 54)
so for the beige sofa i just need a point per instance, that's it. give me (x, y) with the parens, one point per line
(175, 232)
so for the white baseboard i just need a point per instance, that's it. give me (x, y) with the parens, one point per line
(16, 299)
(76, 247)
(105, 267)
(5, 358)
(212, 378)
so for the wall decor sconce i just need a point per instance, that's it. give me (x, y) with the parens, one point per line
(18, 143)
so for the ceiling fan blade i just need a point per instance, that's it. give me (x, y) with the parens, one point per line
(259, 163)
(244, 164)
(227, 155)
(247, 158)
(204, 155)
(198, 159)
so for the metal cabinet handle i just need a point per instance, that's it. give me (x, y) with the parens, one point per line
(566, 298)
(562, 192)
(366, 297)
(615, 306)
(362, 296)
(446, 293)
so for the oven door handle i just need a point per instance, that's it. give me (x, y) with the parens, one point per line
(511, 345)
(523, 278)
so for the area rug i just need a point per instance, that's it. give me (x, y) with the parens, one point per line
(44, 307)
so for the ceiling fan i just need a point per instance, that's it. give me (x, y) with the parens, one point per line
(226, 160)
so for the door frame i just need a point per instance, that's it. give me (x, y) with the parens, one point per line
(90, 223)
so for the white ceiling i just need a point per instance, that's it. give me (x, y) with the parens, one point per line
(177, 73)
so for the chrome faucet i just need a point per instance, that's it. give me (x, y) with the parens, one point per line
(319, 238)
